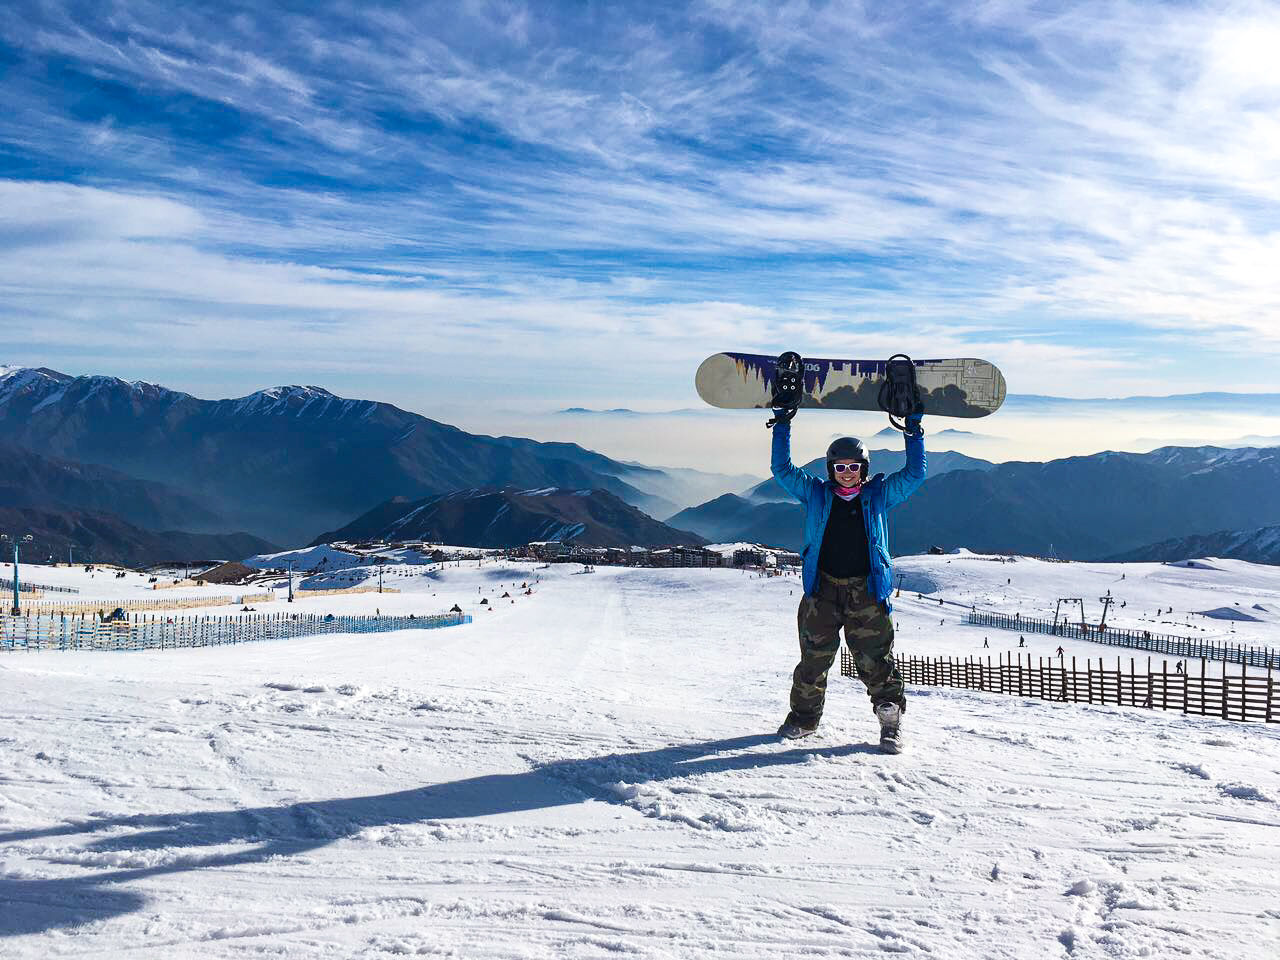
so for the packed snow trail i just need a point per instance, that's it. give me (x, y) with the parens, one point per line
(588, 772)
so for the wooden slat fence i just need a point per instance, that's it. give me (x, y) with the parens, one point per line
(1164, 643)
(149, 632)
(1232, 696)
(305, 591)
(138, 604)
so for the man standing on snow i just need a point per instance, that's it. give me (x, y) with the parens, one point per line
(848, 575)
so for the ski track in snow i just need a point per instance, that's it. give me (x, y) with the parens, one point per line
(590, 772)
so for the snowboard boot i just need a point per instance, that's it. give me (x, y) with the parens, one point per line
(890, 717)
(791, 730)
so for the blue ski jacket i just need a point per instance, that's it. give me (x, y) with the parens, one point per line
(880, 494)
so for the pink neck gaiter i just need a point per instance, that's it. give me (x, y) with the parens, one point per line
(846, 493)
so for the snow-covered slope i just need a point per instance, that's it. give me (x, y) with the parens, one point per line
(1184, 599)
(102, 583)
(589, 772)
(320, 557)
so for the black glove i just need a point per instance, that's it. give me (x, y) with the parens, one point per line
(781, 416)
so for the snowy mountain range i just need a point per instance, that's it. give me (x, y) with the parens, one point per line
(1095, 506)
(1260, 545)
(510, 517)
(1077, 508)
(288, 461)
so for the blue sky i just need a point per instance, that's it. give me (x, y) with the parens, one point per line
(532, 206)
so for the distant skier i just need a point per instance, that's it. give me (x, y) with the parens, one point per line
(847, 575)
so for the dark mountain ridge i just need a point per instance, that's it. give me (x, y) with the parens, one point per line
(1082, 508)
(28, 479)
(284, 461)
(512, 517)
(1260, 545)
(882, 461)
(731, 519)
(105, 538)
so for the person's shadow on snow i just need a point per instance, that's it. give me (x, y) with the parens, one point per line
(134, 842)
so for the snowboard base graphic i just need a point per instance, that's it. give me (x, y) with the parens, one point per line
(949, 388)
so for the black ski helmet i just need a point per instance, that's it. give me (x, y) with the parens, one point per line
(847, 448)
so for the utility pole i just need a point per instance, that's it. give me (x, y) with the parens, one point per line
(379, 576)
(291, 581)
(17, 607)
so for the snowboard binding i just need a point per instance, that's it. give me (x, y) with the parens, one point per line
(899, 394)
(788, 387)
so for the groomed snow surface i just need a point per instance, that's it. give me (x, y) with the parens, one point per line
(591, 772)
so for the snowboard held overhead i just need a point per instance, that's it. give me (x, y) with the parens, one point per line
(948, 388)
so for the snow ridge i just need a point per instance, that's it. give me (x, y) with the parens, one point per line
(300, 401)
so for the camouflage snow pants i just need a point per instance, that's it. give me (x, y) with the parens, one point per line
(868, 630)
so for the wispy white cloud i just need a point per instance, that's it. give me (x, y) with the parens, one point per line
(1080, 195)
(140, 287)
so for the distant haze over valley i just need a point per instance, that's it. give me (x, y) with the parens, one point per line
(1025, 428)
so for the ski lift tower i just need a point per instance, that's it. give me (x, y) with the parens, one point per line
(1106, 602)
(1058, 610)
(17, 539)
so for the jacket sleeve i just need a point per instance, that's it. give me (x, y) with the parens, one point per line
(799, 483)
(902, 484)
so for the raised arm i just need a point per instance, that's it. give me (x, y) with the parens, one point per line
(903, 483)
(797, 482)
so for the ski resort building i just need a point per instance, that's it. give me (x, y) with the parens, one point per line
(684, 557)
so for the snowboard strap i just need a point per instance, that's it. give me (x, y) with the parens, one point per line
(788, 387)
(899, 394)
